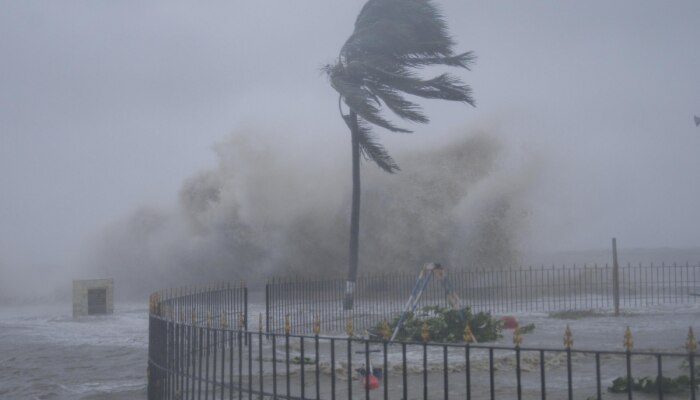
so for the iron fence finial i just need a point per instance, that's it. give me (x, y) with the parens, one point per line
(568, 338)
(316, 325)
(517, 337)
(385, 329)
(629, 342)
(468, 336)
(260, 324)
(691, 344)
(425, 331)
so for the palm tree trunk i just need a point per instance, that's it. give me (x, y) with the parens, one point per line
(354, 216)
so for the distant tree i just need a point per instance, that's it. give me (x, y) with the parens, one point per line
(377, 65)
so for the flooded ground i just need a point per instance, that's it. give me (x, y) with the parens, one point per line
(46, 354)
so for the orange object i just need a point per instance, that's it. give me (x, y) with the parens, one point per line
(370, 381)
(509, 322)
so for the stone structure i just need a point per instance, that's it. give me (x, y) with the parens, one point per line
(93, 297)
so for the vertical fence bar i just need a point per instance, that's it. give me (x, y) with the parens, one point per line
(445, 372)
(629, 374)
(543, 384)
(599, 392)
(467, 370)
(286, 360)
(691, 362)
(318, 371)
(425, 371)
(194, 359)
(223, 362)
(301, 367)
(200, 333)
(368, 369)
(333, 368)
(385, 370)
(492, 383)
(616, 279)
(403, 370)
(260, 360)
(249, 338)
(274, 366)
(239, 336)
(659, 377)
(215, 332)
(569, 378)
(349, 339)
(517, 373)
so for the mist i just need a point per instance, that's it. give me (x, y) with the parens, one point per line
(261, 212)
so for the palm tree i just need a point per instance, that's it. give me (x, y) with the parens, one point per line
(377, 66)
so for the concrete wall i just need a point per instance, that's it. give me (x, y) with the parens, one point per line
(80, 294)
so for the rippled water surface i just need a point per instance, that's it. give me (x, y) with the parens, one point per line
(46, 354)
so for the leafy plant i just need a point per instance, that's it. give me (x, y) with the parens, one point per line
(529, 328)
(649, 384)
(447, 325)
(306, 360)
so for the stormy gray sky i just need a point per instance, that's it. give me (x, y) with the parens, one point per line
(106, 106)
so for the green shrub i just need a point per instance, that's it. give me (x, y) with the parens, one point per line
(649, 384)
(446, 325)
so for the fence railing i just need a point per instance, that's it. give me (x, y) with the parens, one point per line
(191, 357)
(539, 289)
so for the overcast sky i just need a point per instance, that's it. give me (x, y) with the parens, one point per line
(107, 106)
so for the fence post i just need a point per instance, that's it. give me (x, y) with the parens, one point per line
(616, 279)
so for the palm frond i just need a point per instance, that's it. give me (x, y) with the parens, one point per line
(464, 60)
(359, 98)
(370, 149)
(444, 86)
(396, 103)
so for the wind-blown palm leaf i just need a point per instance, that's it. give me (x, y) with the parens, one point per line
(396, 103)
(400, 27)
(370, 149)
(359, 98)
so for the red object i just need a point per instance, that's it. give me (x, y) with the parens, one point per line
(370, 381)
(509, 322)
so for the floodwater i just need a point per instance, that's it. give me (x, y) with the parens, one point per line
(46, 354)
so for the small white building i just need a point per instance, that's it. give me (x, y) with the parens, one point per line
(93, 297)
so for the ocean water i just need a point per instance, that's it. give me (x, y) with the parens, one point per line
(46, 354)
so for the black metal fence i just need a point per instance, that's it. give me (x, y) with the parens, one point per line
(540, 289)
(191, 357)
(177, 316)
